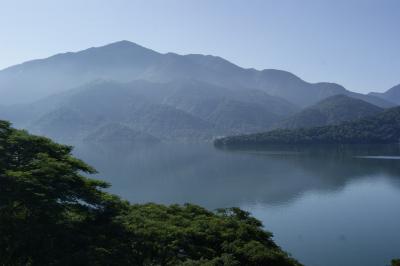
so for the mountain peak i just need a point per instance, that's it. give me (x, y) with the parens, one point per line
(123, 43)
(123, 46)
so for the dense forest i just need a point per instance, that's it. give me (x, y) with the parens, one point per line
(381, 128)
(52, 214)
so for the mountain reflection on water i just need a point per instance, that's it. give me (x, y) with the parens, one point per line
(327, 205)
(198, 173)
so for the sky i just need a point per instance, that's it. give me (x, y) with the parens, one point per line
(355, 43)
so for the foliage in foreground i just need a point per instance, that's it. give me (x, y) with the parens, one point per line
(396, 262)
(51, 214)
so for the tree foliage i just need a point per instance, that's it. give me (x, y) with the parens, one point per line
(52, 214)
(396, 262)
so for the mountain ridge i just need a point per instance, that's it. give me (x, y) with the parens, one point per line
(125, 61)
(185, 109)
(330, 111)
(392, 94)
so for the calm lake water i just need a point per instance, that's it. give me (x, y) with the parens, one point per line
(327, 206)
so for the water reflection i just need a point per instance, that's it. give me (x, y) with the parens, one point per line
(326, 205)
(198, 173)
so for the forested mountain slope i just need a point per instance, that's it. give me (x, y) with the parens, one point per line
(381, 128)
(331, 111)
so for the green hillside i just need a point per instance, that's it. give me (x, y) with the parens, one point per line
(331, 111)
(381, 128)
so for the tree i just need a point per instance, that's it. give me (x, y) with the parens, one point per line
(51, 214)
(45, 201)
(396, 262)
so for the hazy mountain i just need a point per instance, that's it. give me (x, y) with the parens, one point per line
(36, 79)
(97, 98)
(392, 94)
(378, 129)
(169, 96)
(191, 95)
(64, 124)
(125, 61)
(232, 110)
(184, 110)
(168, 123)
(372, 99)
(114, 132)
(331, 111)
(89, 108)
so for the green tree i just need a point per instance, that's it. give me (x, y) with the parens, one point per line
(396, 262)
(47, 207)
(51, 214)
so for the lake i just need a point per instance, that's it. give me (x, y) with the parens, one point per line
(327, 206)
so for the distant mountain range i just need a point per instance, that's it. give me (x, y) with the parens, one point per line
(330, 111)
(383, 128)
(72, 96)
(111, 133)
(181, 110)
(392, 95)
(126, 61)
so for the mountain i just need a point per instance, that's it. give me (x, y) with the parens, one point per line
(330, 111)
(36, 79)
(87, 109)
(64, 123)
(168, 123)
(126, 61)
(168, 96)
(119, 133)
(290, 87)
(234, 110)
(378, 129)
(179, 110)
(392, 94)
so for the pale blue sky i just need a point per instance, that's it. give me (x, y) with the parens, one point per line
(352, 42)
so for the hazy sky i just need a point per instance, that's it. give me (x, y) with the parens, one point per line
(352, 42)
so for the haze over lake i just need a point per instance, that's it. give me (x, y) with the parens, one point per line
(200, 133)
(325, 205)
